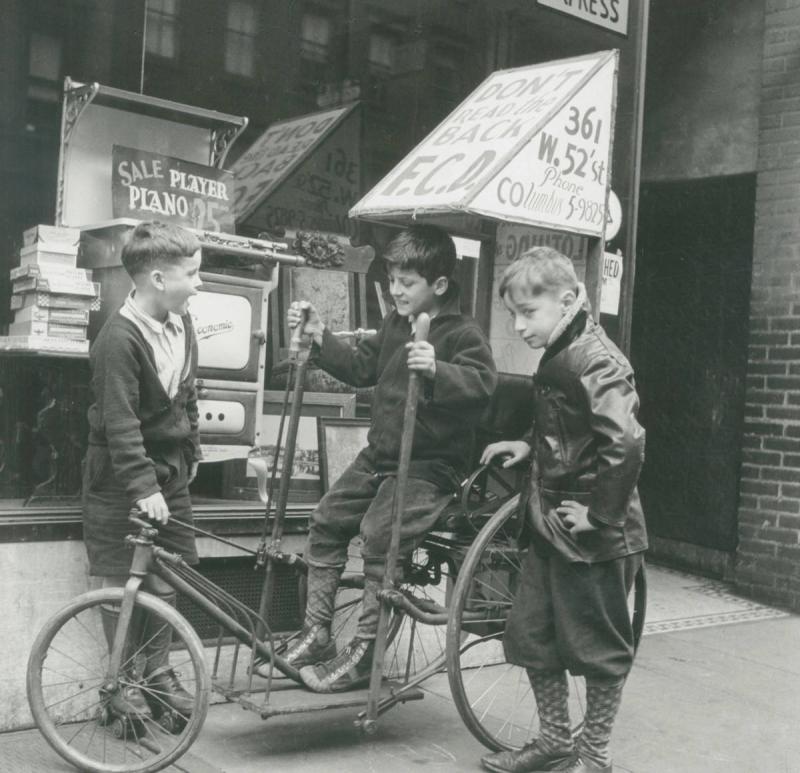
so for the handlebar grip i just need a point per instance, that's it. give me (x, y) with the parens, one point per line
(297, 333)
(134, 517)
(422, 327)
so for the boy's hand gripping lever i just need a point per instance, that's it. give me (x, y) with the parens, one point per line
(423, 324)
(296, 345)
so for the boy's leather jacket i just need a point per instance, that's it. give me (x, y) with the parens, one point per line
(588, 445)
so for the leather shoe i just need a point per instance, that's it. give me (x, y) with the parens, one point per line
(528, 759)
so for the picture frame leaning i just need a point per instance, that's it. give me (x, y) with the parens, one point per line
(304, 487)
(339, 442)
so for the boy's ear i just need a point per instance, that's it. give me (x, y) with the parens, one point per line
(155, 278)
(568, 297)
(440, 285)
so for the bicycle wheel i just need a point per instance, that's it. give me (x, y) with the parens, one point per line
(493, 697)
(71, 693)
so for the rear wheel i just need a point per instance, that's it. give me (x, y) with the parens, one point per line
(76, 702)
(493, 697)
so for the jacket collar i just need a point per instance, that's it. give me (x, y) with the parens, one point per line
(572, 324)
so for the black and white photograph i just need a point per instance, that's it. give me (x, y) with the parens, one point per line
(422, 377)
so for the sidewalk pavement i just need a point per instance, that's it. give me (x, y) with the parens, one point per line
(716, 688)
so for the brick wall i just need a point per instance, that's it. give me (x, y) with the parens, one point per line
(768, 557)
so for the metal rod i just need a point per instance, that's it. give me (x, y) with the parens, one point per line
(256, 254)
(398, 506)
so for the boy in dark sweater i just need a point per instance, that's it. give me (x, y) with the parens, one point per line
(143, 437)
(458, 378)
(585, 521)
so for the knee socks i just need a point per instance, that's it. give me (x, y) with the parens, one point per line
(603, 697)
(322, 583)
(552, 700)
(370, 610)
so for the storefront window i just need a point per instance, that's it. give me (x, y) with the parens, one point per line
(240, 39)
(162, 28)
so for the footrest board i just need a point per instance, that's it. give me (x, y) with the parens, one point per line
(300, 700)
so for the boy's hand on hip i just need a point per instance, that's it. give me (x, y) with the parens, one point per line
(575, 517)
(154, 507)
(193, 471)
(422, 358)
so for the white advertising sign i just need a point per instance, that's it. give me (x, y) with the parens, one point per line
(560, 176)
(529, 145)
(275, 153)
(610, 14)
(450, 164)
(611, 284)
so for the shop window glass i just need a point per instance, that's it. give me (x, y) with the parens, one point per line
(315, 37)
(240, 39)
(162, 28)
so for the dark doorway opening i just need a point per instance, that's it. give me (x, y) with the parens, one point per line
(689, 349)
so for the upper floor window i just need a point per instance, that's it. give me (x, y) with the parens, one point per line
(315, 37)
(241, 32)
(382, 52)
(44, 57)
(162, 28)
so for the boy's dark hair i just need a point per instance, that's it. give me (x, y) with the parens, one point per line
(539, 270)
(426, 249)
(152, 242)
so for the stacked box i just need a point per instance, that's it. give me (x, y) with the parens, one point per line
(51, 297)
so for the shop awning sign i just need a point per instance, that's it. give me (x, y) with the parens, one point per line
(530, 145)
(282, 153)
(149, 186)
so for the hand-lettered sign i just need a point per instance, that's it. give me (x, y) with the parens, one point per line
(530, 145)
(301, 173)
(149, 186)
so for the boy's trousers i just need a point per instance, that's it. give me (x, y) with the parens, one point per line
(360, 502)
(573, 616)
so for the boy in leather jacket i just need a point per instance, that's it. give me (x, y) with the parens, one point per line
(584, 520)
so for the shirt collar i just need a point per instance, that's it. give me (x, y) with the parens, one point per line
(173, 320)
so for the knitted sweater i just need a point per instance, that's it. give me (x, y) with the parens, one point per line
(451, 404)
(132, 414)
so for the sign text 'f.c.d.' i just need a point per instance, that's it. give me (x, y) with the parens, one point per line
(530, 145)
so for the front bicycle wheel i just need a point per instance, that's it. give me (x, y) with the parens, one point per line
(78, 705)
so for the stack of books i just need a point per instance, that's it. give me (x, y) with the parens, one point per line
(51, 297)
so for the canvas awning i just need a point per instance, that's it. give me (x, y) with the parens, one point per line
(530, 145)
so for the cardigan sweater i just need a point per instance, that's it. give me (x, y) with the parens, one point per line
(133, 415)
(451, 404)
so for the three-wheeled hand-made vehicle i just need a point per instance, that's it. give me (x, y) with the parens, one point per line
(444, 607)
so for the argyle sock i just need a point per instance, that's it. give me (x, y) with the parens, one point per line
(322, 583)
(370, 610)
(603, 697)
(552, 700)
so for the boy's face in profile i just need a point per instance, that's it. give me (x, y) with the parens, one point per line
(412, 293)
(179, 282)
(535, 316)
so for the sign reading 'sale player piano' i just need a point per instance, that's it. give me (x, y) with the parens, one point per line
(149, 186)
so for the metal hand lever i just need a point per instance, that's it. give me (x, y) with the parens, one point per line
(295, 344)
(422, 328)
